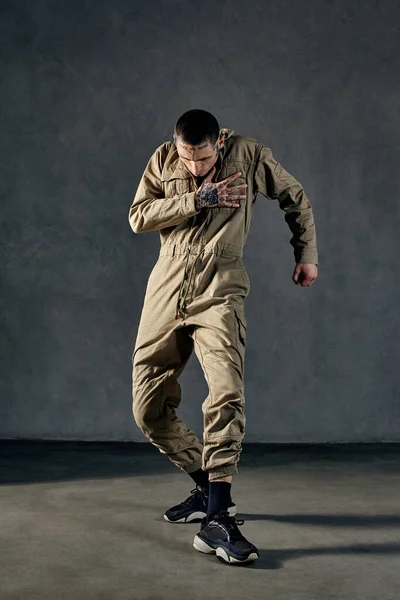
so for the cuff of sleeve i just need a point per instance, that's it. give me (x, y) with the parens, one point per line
(306, 256)
(188, 206)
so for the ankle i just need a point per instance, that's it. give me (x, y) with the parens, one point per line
(219, 498)
(200, 477)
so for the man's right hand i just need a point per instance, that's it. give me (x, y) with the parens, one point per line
(212, 195)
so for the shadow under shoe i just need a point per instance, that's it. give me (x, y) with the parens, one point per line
(220, 535)
(194, 508)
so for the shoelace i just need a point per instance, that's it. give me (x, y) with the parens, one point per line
(229, 520)
(194, 493)
(230, 524)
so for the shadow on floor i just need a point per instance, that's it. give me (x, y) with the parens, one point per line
(38, 461)
(276, 559)
(28, 461)
(342, 520)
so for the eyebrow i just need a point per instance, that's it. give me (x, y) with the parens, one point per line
(205, 158)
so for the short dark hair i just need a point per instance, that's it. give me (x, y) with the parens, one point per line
(196, 127)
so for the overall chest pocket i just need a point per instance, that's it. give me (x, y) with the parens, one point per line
(182, 186)
(176, 187)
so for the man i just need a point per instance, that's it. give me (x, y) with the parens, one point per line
(198, 192)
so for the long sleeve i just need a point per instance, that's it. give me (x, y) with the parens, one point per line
(273, 182)
(150, 211)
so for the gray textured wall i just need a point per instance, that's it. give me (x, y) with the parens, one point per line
(88, 91)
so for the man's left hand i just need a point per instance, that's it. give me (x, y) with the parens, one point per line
(305, 274)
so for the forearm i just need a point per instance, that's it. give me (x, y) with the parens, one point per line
(274, 182)
(152, 214)
(151, 210)
(300, 219)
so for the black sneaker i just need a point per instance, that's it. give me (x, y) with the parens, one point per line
(222, 537)
(193, 508)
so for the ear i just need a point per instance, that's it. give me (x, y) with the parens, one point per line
(221, 140)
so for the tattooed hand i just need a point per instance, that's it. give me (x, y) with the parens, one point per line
(211, 195)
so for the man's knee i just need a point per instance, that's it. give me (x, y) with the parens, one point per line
(139, 415)
(143, 405)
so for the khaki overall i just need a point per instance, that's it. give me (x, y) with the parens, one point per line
(195, 293)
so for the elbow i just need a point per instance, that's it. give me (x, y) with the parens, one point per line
(133, 226)
(139, 226)
(135, 222)
(136, 227)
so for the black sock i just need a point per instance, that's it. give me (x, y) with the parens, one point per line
(220, 497)
(201, 478)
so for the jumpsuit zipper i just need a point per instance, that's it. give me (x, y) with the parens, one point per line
(181, 304)
(181, 300)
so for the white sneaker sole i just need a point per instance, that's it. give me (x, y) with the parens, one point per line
(201, 546)
(198, 516)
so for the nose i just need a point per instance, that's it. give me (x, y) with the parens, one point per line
(195, 169)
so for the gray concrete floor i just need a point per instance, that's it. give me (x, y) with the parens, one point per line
(85, 521)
